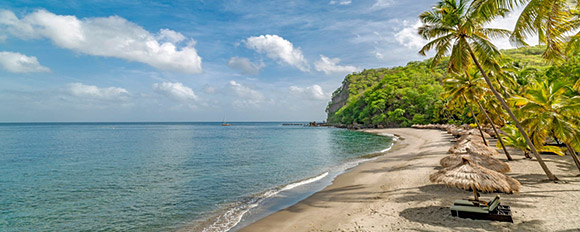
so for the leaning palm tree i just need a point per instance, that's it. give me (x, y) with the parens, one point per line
(457, 28)
(514, 138)
(456, 87)
(551, 114)
(470, 88)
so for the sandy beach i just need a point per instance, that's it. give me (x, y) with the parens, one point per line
(393, 193)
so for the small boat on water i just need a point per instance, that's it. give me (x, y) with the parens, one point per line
(224, 123)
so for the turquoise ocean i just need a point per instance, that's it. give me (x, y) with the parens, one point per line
(165, 176)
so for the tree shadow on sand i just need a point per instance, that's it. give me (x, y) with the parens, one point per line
(441, 216)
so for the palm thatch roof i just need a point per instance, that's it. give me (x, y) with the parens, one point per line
(456, 131)
(468, 175)
(476, 132)
(485, 161)
(470, 137)
(472, 147)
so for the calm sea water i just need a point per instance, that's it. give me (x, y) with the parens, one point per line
(163, 176)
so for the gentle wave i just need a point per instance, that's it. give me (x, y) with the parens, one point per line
(234, 215)
(387, 149)
(394, 137)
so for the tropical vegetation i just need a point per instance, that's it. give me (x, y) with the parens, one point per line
(531, 93)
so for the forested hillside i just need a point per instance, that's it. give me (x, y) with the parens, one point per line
(402, 96)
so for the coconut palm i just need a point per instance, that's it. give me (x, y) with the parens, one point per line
(550, 20)
(513, 78)
(550, 113)
(470, 87)
(514, 138)
(457, 87)
(455, 27)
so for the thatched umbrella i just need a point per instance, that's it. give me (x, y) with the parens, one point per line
(470, 137)
(476, 132)
(485, 161)
(468, 175)
(474, 147)
(455, 131)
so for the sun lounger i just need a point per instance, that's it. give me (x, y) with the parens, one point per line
(492, 211)
(472, 203)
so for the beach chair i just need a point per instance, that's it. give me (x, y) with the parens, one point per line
(472, 203)
(492, 211)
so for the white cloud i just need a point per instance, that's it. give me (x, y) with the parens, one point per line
(278, 48)
(314, 92)
(170, 36)
(19, 63)
(247, 97)
(94, 92)
(176, 91)
(108, 36)
(245, 65)
(381, 4)
(328, 66)
(408, 36)
(341, 2)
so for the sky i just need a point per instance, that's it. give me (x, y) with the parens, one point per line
(238, 60)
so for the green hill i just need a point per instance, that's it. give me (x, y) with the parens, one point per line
(402, 96)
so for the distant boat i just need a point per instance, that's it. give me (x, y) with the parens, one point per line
(224, 123)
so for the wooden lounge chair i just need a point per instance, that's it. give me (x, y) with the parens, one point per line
(492, 211)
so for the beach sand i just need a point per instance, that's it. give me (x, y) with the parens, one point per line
(393, 193)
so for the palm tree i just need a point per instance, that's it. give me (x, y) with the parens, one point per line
(456, 87)
(497, 134)
(550, 20)
(514, 138)
(551, 114)
(458, 28)
(507, 78)
(470, 86)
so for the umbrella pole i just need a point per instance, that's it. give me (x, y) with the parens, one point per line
(475, 194)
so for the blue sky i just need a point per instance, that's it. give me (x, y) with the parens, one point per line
(193, 60)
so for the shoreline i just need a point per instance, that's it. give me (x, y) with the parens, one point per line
(392, 192)
(349, 181)
(273, 200)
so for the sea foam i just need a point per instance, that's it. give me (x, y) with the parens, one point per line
(231, 217)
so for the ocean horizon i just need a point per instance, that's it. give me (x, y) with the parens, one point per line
(166, 176)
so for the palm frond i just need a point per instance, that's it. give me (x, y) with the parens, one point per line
(460, 58)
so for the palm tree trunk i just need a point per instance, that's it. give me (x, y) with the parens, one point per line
(507, 154)
(476, 121)
(527, 154)
(549, 173)
(574, 156)
(499, 115)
